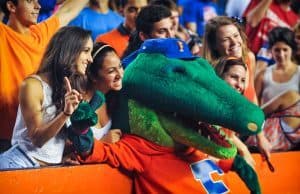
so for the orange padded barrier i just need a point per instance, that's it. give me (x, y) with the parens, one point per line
(101, 178)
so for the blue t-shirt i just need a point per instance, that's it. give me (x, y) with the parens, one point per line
(183, 4)
(97, 23)
(199, 12)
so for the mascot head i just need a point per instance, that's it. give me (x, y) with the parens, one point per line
(170, 92)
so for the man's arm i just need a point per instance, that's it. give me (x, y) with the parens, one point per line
(258, 12)
(69, 10)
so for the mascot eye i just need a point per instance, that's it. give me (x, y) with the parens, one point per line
(173, 68)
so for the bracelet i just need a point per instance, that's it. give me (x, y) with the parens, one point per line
(67, 114)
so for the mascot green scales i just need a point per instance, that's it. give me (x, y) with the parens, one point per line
(166, 93)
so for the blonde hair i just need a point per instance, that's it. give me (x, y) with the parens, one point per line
(210, 52)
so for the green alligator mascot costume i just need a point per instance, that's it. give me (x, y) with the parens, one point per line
(166, 93)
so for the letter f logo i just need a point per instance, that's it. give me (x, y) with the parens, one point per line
(202, 171)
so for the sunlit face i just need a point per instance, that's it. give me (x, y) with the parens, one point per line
(85, 57)
(236, 77)
(27, 11)
(281, 52)
(229, 41)
(111, 74)
(131, 10)
(163, 29)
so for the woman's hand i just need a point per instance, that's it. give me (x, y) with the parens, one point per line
(72, 98)
(113, 136)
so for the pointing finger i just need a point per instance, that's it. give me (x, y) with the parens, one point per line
(67, 84)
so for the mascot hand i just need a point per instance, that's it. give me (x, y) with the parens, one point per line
(82, 119)
(247, 174)
(82, 143)
(85, 116)
(244, 170)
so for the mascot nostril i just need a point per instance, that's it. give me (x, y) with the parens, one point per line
(253, 127)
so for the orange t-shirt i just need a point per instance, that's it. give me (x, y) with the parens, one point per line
(20, 56)
(115, 39)
(160, 169)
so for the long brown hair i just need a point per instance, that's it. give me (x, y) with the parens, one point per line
(60, 60)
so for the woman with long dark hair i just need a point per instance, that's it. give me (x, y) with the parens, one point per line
(47, 100)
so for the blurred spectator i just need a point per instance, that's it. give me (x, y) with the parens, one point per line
(297, 38)
(47, 8)
(114, 5)
(221, 6)
(181, 5)
(118, 38)
(154, 21)
(236, 7)
(263, 15)
(98, 18)
(192, 39)
(171, 5)
(197, 12)
(277, 89)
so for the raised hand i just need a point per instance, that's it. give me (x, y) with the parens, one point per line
(72, 98)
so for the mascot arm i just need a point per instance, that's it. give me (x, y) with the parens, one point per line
(120, 154)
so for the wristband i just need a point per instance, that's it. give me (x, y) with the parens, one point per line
(67, 114)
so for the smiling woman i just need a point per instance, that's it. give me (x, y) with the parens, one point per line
(233, 71)
(46, 103)
(105, 74)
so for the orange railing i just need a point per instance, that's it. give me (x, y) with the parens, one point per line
(101, 178)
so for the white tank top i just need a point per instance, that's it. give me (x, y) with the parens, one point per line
(100, 132)
(52, 150)
(273, 89)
